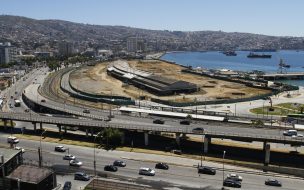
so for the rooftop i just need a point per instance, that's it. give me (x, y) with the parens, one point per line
(8, 153)
(30, 174)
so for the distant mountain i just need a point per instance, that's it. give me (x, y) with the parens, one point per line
(30, 34)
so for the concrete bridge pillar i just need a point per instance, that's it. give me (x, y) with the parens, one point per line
(207, 141)
(87, 133)
(59, 128)
(92, 131)
(177, 138)
(123, 136)
(266, 149)
(35, 126)
(146, 138)
(65, 129)
(41, 127)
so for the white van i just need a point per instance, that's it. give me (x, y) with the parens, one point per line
(12, 139)
(290, 132)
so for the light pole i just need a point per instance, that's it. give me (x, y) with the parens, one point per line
(223, 166)
(40, 148)
(94, 162)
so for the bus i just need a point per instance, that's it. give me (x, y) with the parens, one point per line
(17, 103)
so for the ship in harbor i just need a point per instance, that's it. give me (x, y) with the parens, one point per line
(264, 50)
(254, 55)
(230, 53)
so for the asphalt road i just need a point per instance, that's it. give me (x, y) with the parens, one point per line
(176, 176)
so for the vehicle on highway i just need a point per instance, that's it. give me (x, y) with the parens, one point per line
(69, 157)
(43, 100)
(67, 185)
(20, 148)
(297, 136)
(232, 183)
(146, 171)
(75, 163)
(11, 106)
(235, 177)
(290, 132)
(60, 148)
(110, 168)
(86, 111)
(119, 163)
(17, 103)
(12, 139)
(158, 121)
(206, 170)
(198, 130)
(81, 176)
(184, 122)
(273, 182)
(162, 166)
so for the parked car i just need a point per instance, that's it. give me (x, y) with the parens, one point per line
(60, 148)
(86, 111)
(158, 121)
(162, 166)
(67, 185)
(75, 163)
(290, 132)
(146, 171)
(69, 157)
(184, 122)
(110, 168)
(12, 139)
(81, 176)
(232, 183)
(206, 170)
(234, 177)
(198, 130)
(273, 182)
(119, 163)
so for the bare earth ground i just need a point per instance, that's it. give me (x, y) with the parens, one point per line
(95, 80)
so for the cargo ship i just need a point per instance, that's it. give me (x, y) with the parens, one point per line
(253, 55)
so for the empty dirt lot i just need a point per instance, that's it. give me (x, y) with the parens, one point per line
(94, 79)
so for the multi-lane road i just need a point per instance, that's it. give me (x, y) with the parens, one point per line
(182, 172)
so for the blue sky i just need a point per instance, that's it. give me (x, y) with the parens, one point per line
(271, 17)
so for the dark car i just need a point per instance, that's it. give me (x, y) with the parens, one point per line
(110, 168)
(184, 122)
(67, 185)
(119, 163)
(43, 100)
(198, 130)
(232, 183)
(206, 170)
(162, 166)
(273, 182)
(81, 176)
(158, 121)
(86, 111)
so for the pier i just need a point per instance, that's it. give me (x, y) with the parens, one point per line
(284, 76)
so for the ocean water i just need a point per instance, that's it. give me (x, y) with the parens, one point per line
(217, 60)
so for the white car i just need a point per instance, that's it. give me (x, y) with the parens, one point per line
(19, 148)
(297, 136)
(146, 171)
(234, 177)
(12, 139)
(69, 157)
(75, 163)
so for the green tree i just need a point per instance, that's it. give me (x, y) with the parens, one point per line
(111, 136)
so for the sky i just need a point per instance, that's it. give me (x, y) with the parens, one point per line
(270, 17)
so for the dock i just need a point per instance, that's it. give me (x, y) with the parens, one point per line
(284, 76)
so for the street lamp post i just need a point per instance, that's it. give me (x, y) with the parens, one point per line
(94, 162)
(40, 148)
(223, 166)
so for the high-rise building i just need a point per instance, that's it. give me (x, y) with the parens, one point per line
(66, 48)
(135, 44)
(8, 53)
